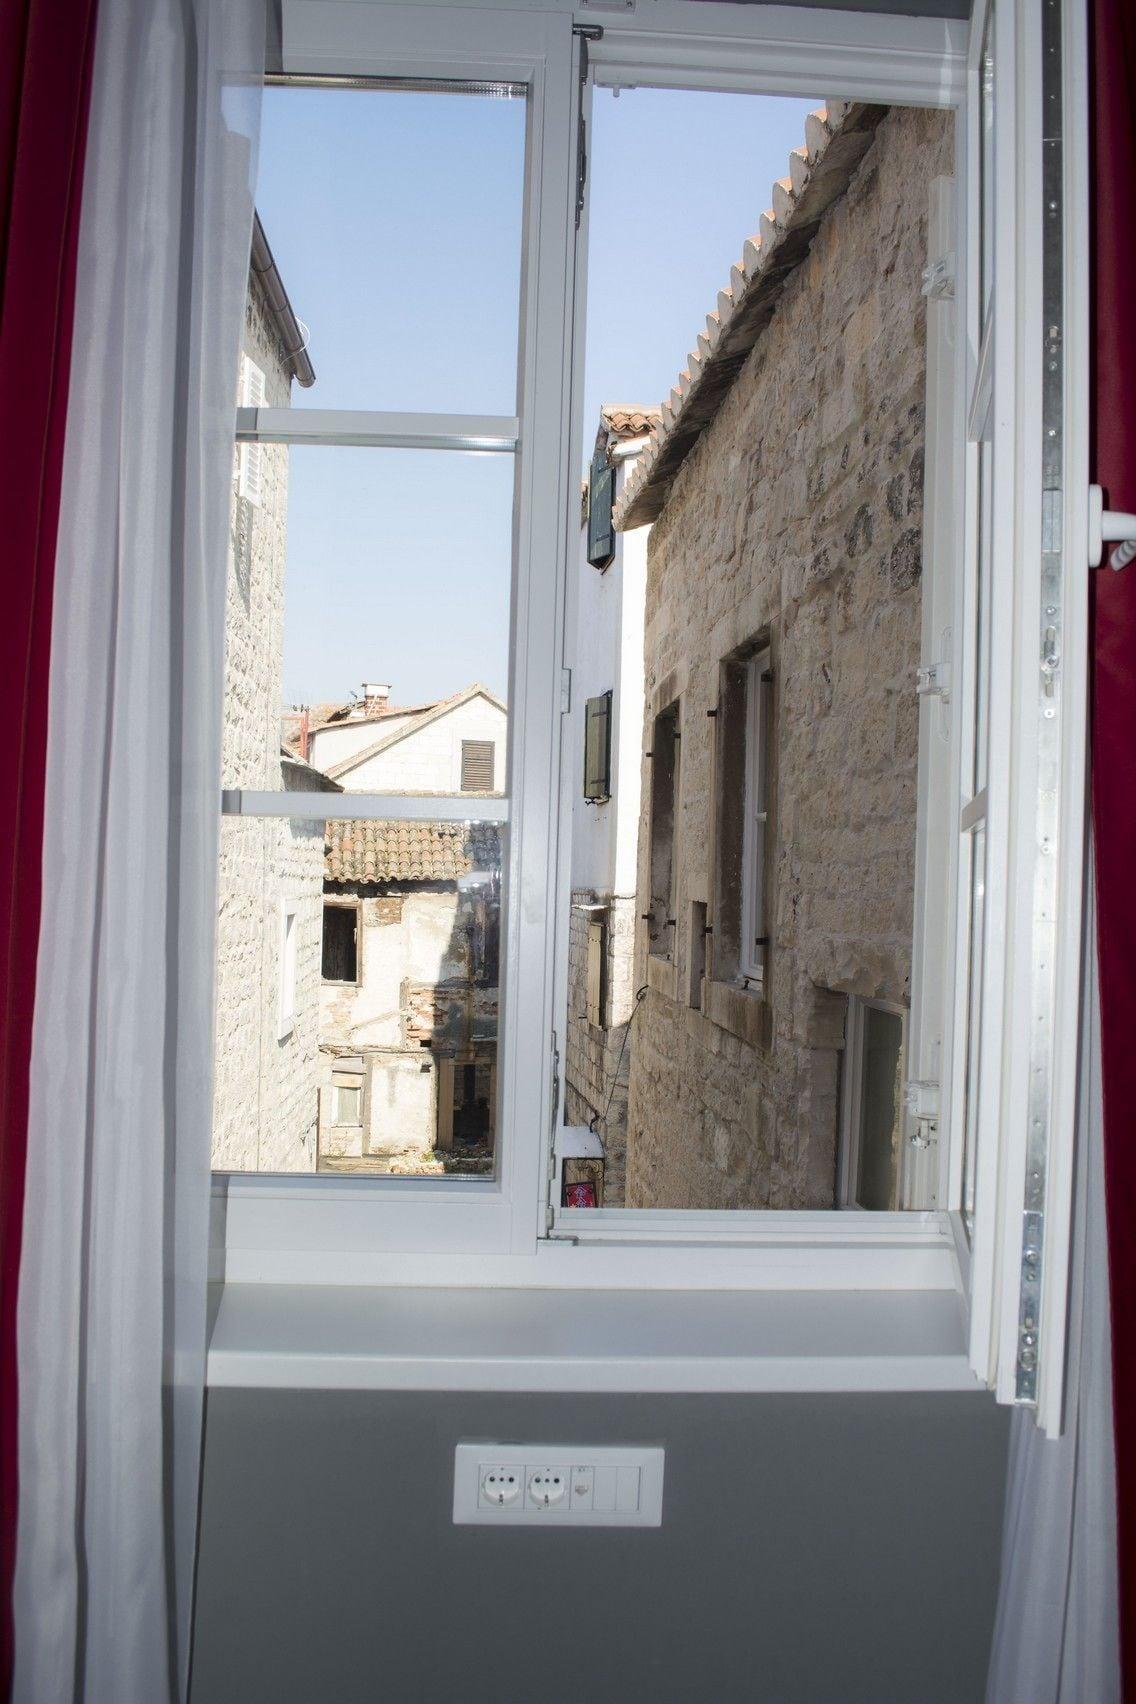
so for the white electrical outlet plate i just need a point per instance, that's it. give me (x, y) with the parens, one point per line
(545, 1485)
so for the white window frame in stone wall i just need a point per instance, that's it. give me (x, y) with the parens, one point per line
(250, 456)
(350, 1231)
(286, 981)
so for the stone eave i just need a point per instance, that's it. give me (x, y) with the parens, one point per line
(836, 139)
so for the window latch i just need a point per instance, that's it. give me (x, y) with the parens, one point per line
(1109, 526)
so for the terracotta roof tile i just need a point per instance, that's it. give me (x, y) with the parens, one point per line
(362, 851)
(627, 420)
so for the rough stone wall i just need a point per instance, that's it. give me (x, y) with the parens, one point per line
(265, 1086)
(798, 514)
(597, 1066)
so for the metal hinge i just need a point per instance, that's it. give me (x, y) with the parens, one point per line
(939, 279)
(933, 680)
(586, 33)
(565, 691)
(921, 1097)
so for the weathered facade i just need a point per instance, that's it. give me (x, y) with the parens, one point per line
(408, 1008)
(788, 531)
(608, 664)
(270, 876)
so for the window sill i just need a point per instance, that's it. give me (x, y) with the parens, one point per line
(324, 1337)
(744, 1012)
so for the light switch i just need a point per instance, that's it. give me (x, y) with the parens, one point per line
(627, 1488)
(607, 1480)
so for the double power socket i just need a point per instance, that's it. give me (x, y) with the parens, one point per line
(557, 1485)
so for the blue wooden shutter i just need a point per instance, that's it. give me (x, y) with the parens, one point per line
(601, 498)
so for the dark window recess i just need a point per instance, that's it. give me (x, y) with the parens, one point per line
(664, 804)
(601, 501)
(597, 970)
(477, 766)
(597, 748)
(340, 943)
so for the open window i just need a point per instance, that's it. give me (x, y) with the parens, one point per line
(817, 950)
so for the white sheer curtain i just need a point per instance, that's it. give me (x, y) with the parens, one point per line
(113, 1275)
(1056, 1636)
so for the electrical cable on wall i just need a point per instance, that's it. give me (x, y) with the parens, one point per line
(640, 995)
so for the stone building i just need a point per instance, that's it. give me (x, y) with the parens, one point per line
(408, 1005)
(411, 931)
(270, 878)
(607, 698)
(782, 638)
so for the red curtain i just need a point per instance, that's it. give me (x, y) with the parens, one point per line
(1114, 730)
(45, 59)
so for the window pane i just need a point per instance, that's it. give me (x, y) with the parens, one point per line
(755, 852)
(390, 1071)
(367, 622)
(394, 219)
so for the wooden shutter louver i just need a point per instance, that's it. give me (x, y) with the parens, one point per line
(601, 500)
(477, 766)
(597, 748)
(253, 395)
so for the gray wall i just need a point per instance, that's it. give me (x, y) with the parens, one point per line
(815, 1550)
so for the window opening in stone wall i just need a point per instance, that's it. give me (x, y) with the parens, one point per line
(340, 943)
(755, 422)
(368, 621)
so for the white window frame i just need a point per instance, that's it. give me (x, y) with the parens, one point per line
(287, 962)
(752, 958)
(503, 1232)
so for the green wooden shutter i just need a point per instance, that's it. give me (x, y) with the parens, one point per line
(601, 498)
(597, 747)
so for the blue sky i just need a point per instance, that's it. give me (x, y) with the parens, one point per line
(395, 219)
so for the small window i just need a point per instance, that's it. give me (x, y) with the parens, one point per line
(347, 1103)
(601, 497)
(872, 1106)
(745, 747)
(664, 804)
(477, 766)
(597, 749)
(289, 931)
(597, 970)
(340, 943)
(251, 460)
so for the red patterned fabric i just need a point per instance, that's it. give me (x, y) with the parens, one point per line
(1114, 732)
(45, 59)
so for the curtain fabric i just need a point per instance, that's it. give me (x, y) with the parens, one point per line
(1114, 720)
(45, 60)
(1056, 1633)
(112, 1297)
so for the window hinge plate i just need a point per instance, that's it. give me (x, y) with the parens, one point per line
(565, 691)
(933, 680)
(939, 279)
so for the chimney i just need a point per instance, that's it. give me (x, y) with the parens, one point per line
(376, 697)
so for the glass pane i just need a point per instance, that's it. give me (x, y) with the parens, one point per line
(367, 622)
(394, 218)
(783, 519)
(986, 166)
(393, 1071)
